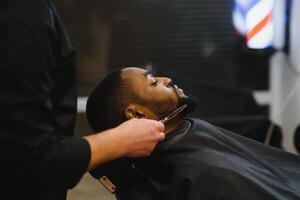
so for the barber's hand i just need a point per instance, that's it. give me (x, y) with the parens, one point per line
(133, 138)
(140, 136)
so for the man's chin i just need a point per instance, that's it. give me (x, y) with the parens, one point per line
(191, 103)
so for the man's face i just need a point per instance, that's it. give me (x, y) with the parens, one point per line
(158, 94)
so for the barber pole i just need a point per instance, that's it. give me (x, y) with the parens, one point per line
(239, 16)
(253, 19)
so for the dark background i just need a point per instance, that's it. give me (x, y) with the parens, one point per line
(194, 39)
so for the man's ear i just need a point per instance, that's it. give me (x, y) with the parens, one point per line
(135, 111)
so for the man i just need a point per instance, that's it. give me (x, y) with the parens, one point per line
(39, 157)
(197, 160)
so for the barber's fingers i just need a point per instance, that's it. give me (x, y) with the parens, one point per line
(160, 126)
(156, 126)
(161, 136)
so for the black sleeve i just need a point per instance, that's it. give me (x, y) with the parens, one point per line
(32, 147)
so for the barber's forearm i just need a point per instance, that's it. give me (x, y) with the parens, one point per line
(105, 146)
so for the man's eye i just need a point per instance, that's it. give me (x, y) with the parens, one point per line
(154, 83)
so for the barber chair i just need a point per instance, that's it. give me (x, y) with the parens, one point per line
(232, 109)
(117, 176)
(237, 111)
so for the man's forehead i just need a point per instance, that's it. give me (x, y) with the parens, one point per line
(133, 72)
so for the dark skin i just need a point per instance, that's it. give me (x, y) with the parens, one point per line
(153, 91)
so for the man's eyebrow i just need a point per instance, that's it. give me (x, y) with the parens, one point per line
(146, 73)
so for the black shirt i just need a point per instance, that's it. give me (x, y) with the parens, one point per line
(39, 157)
(211, 163)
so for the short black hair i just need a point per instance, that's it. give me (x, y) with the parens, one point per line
(107, 101)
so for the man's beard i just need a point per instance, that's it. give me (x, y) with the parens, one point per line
(191, 103)
(166, 107)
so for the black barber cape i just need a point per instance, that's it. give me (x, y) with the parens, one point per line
(207, 162)
(39, 157)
